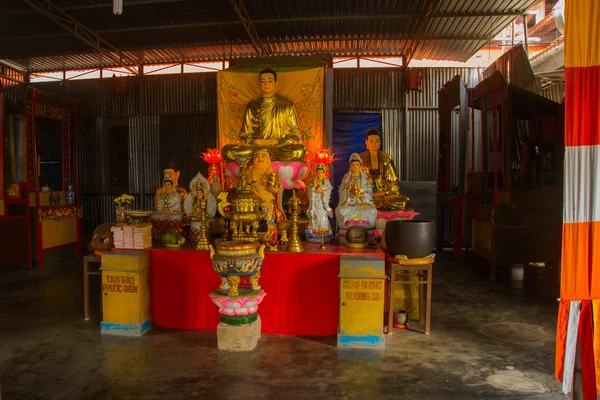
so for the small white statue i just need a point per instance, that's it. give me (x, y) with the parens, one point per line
(319, 212)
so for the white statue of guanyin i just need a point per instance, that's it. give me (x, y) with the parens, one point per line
(356, 197)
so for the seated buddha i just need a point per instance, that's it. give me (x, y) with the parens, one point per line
(381, 169)
(170, 197)
(355, 197)
(266, 185)
(269, 120)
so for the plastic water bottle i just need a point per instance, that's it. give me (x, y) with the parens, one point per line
(70, 195)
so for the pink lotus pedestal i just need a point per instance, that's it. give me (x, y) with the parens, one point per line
(243, 305)
(384, 216)
(240, 326)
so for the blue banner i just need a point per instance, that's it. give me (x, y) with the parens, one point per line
(349, 130)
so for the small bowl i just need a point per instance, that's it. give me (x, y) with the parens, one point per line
(401, 317)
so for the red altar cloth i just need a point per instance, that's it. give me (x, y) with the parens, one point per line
(302, 290)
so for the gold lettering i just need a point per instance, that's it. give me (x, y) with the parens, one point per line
(363, 296)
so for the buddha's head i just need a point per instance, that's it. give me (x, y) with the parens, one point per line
(373, 141)
(267, 78)
(171, 173)
(261, 158)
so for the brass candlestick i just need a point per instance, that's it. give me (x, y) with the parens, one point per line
(203, 240)
(322, 246)
(294, 245)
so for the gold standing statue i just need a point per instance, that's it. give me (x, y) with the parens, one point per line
(294, 245)
(200, 213)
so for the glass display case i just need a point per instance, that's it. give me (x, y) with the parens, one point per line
(52, 167)
(38, 164)
(516, 215)
(15, 229)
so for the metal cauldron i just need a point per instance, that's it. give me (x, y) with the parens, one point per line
(414, 239)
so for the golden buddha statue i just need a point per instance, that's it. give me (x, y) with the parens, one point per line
(266, 185)
(269, 120)
(380, 167)
(170, 197)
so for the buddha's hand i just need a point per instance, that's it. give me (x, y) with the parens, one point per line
(243, 138)
(293, 138)
(265, 142)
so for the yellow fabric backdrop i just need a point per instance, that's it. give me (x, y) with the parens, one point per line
(304, 88)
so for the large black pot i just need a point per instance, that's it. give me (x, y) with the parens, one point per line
(414, 239)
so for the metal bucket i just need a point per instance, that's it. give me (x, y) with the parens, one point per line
(414, 239)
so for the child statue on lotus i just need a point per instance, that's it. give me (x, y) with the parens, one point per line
(266, 185)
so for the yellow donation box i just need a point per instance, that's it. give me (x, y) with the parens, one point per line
(362, 293)
(126, 293)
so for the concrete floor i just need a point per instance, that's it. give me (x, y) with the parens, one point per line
(488, 341)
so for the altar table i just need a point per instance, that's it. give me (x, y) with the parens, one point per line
(302, 289)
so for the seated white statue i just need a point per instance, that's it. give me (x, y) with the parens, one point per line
(356, 198)
(169, 200)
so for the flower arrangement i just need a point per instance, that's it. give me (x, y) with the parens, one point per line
(123, 200)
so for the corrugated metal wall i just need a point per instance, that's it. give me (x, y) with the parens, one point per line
(423, 122)
(415, 151)
(375, 88)
(169, 117)
(173, 117)
(555, 92)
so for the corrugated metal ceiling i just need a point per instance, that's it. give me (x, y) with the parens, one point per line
(152, 31)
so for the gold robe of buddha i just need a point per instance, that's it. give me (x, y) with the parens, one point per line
(271, 119)
(386, 186)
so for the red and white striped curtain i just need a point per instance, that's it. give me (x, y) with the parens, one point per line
(579, 310)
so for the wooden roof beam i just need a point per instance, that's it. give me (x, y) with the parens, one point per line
(83, 33)
(240, 9)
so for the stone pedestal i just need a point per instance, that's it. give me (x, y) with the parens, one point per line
(238, 337)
